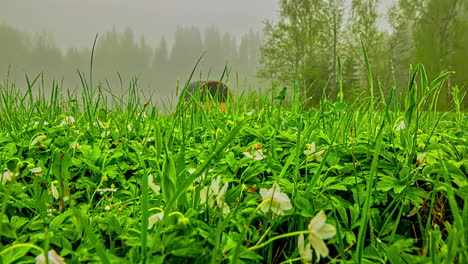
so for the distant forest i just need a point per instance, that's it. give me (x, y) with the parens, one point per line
(121, 57)
(308, 44)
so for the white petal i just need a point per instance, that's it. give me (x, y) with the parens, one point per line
(265, 205)
(276, 207)
(204, 195)
(215, 185)
(223, 190)
(312, 147)
(401, 125)
(155, 188)
(284, 202)
(304, 251)
(326, 231)
(150, 179)
(7, 176)
(275, 188)
(258, 155)
(320, 248)
(53, 257)
(155, 218)
(36, 170)
(317, 222)
(266, 194)
(54, 191)
(300, 243)
(248, 155)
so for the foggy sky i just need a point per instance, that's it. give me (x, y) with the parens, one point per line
(73, 23)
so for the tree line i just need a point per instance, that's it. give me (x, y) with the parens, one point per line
(120, 57)
(313, 38)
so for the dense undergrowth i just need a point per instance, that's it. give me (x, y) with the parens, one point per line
(91, 182)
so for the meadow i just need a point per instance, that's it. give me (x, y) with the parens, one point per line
(97, 178)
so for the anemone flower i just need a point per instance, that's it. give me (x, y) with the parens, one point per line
(274, 200)
(319, 231)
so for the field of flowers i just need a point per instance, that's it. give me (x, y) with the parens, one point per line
(380, 180)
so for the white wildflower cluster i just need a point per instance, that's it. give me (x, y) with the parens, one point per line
(318, 230)
(256, 153)
(214, 194)
(68, 120)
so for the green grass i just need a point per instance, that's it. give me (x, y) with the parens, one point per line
(393, 195)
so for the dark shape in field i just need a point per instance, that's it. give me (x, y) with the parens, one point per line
(212, 91)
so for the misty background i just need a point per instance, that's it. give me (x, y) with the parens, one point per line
(158, 42)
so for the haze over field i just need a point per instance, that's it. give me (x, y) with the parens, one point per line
(74, 23)
(160, 41)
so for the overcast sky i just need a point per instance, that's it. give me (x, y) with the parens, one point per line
(75, 22)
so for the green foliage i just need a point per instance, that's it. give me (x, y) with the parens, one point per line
(309, 36)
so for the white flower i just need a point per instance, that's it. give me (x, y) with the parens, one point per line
(7, 176)
(75, 145)
(38, 139)
(53, 257)
(156, 189)
(105, 133)
(274, 200)
(54, 191)
(318, 231)
(257, 155)
(155, 218)
(101, 191)
(401, 125)
(213, 193)
(69, 120)
(305, 251)
(50, 211)
(107, 207)
(421, 159)
(312, 154)
(36, 170)
(45, 123)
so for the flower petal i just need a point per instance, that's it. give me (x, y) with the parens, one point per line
(304, 250)
(265, 205)
(320, 248)
(248, 155)
(266, 194)
(204, 195)
(283, 200)
(312, 147)
(326, 231)
(155, 218)
(54, 191)
(318, 221)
